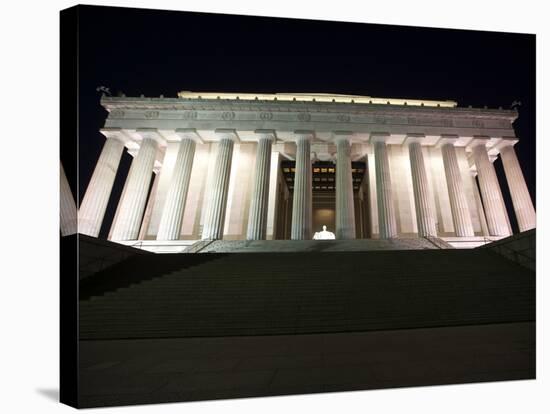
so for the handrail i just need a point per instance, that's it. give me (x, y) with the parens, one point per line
(139, 242)
(506, 249)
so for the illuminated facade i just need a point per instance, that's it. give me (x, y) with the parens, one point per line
(280, 166)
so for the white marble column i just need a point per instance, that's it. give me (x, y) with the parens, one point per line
(93, 206)
(302, 194)
(490, 191)
(459, 205)
(67, 206)
(215, 211)
(387, 225)
(172, 212)
(523, 205)
(132, 204)
(257, 218)
(425, 217)
(345, 210)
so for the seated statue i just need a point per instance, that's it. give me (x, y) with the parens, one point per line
(324, 235)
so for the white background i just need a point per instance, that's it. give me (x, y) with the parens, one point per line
(29, 140)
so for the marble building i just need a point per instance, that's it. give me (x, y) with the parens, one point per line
(211, 166)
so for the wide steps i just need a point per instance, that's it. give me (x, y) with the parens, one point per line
(281, 293)
(289, 246)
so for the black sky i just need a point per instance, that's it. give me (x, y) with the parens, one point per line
(153, 52)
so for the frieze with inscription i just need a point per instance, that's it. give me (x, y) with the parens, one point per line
(343, 118)
(151, 114)
(117, 113)
(228, 116)
(189, 115)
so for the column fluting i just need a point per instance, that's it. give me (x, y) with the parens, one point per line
(490, 192)
(479, 206)
(459, 206)
(133, 203)
(386, 214)
(94, 204)
(257, 218)
(302, 194)
(424, 213)
(215, 213)
(345, 209)
(67, 207)
(523, 205)
(172, 212)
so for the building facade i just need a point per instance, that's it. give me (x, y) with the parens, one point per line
(210, 166)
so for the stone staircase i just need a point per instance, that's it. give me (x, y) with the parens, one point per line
(135, 270)
(227, 294)
(520, 248)
(249, 246)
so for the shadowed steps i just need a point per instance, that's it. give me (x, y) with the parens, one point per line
(283, 293)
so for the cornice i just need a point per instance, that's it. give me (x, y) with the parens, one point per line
(114, 104)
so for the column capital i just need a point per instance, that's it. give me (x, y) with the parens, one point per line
(189, 133)
(342, 136)
(414, 138)
(151, 133)
(304, 135)
(478, 140)
(446, 139)
(505, 142)
(115, 133)
(269, 134)
(379, 137)
(229, 134)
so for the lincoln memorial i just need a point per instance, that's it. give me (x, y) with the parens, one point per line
(240, 166)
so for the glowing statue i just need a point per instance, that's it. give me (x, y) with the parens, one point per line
(324, 235)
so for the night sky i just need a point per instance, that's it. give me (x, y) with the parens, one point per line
(153, 52)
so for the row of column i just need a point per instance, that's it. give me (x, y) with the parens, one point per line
(134, 198)
(493, 202)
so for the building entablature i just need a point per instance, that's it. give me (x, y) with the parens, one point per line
(205, 116)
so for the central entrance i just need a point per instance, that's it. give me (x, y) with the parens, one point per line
(323, 183)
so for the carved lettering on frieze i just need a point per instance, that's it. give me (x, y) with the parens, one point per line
(343, 118)
(189, 115)
(379, 120)
(151, 114)
(228, 116)
(304, 117)
(447, 122)
(117, 113)
(477, 123)
(266, 116)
